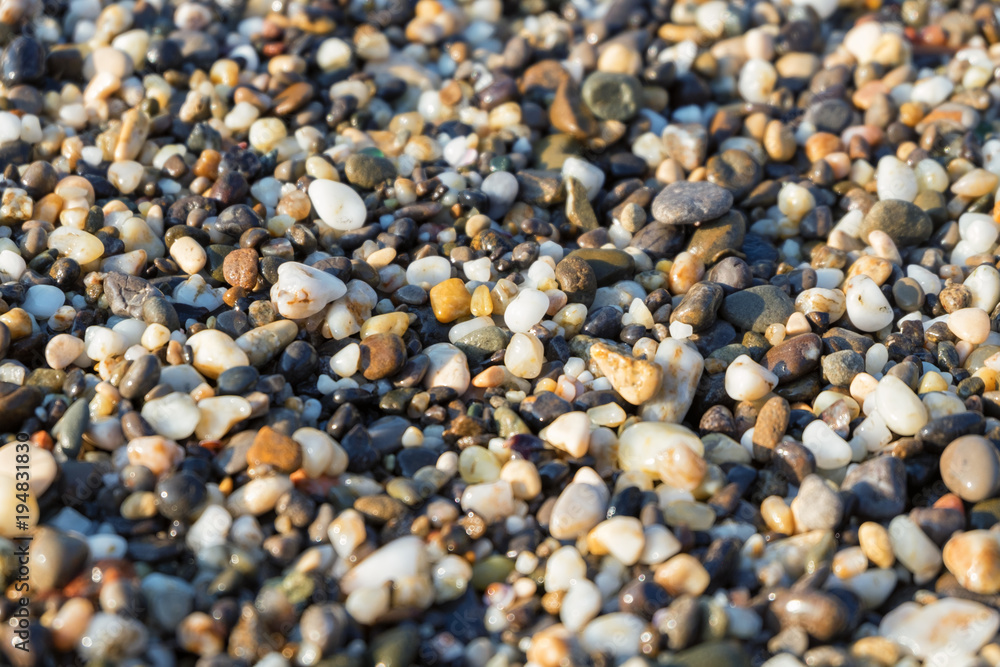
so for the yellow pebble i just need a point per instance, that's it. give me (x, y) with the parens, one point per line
(874, 541)
(18, 321)
(482, 304)
(450, 300)
(988, 376)
(396, 323)
(778, 515)
(932, 381)
(545, 384)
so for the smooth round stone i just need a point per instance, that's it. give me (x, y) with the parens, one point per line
(901, 409)
(210, 530)
(526, 310)
(174, 416)
(687, 202)
(367, 171)
(895, 180)
(427, 272)
(757, 308)
(564, 567)
(913, 549)
(215, 353)
(867, 307)
(970, 468)
(501, 187)
(578, 508)
(943, 630)
(337, 205)
(401, 558)
(448, 368)
(42, 467)
(179, 494)
(219, 414)
(42, 301)
(618, 635)
(620, 536)
(611, 95)
(757, 80)
(974, 558)
(189, 255)
(492, 501)
(970, 324)
(829, 449)
(258, 496)
(747, 380)
(643, 446)
(580, 605)
(905, 223)
(102, 343)
(302, 291)
(840, 368)
(141, 376)
(817, 506)
(569, 432)
(62, 350)
(820, 614)
(524, 356)
(113, 637)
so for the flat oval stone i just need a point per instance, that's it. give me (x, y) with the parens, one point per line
(757, 308)
(970, 468)
(687, 202)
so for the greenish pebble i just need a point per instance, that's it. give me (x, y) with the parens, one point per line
(985, 514)
(396, 400)
(482, 343)
(728, 353)
(609, 265)
(405, 490)
(48, 380)
(711, 654)
(491, 570)
(509, 423)
(396, 647)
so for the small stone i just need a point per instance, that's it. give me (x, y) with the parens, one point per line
(636, 380)
(366, 171)
(383, 355)
(337, 205)
(240, 268)
(817, 505)
(757, 308)
(302, 291)
(905, 223)
(879, 485)
(276, 450)
(450, 300)
(612, 96)
(970, 468)
(687, 202)
(841, 367)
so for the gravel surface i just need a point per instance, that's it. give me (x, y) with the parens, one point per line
(495, 334)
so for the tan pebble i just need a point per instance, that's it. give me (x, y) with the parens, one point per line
(450, 300)
(778, 515)
(682, 575)
(874, 541)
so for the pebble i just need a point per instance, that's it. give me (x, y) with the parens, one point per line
(302, 290)
(508, 323)
(337, 205)
(687, 202)
(970, 468)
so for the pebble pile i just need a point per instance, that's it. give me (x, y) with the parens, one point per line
(493, 334)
